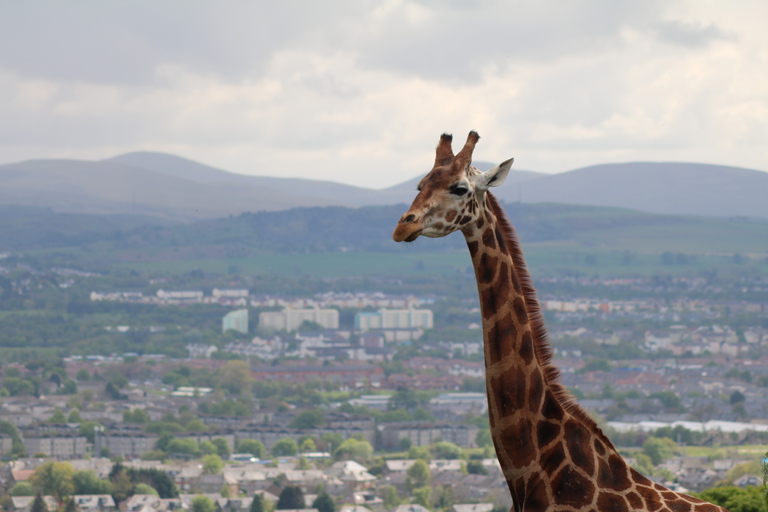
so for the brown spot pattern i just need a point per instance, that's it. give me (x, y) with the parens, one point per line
(635, 501)
(501, 338)
(651, 498)
(536, 498)
(577, 441)
(553, 457)
(679, 506)
(571, 488)
(450, 215)
(536, 390)
(612, 474)
(520, 312)
(599, 448)
(518, 439)
(607, 502)
(526, 348)
(487, 269)
(489, 238)
(546, 432)
(551, 409)
(501, 240)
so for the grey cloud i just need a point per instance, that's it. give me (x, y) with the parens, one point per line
(458, 43)
(123, 42)
(689, 35)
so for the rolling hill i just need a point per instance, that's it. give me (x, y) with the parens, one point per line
(171, 187)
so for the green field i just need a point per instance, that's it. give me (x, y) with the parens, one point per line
(543, 260)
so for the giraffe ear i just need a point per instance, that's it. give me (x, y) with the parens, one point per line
(494, 176)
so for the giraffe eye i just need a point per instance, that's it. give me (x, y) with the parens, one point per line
(458, 190)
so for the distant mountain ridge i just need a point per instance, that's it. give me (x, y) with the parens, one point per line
(171, 187)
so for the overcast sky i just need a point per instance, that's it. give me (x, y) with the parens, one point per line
(359, 92)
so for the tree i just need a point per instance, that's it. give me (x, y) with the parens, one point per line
(122, 486)
(39, 505)
(285, 447)
(142, 488)
(254, 447)
(419, 452)
(71, 506)
(324, 503)
(7, 428)
(257, 505)
(445, 450)
(222, 447)
(196, 425)
(388, 493)
(183, 446)
(68, 388)
(659, 449)
(308, 445)
(58, 418)
(333, 440)
(359, 451)
(201, 503)
(312, 418)
(421, 496)
(157, 478)
(86, 482)
(291, 498)
(208, 448)
(54, 478)
(404, 398)
(74, 417)
(418, 475)
(736, 397)
(483, 438)
(475, 467)
(87, 429)
(736, 499)
(212, 464)
(235, 376)
(421, 414)
(22, 489)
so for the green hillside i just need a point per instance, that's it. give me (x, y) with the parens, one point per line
(330, 241)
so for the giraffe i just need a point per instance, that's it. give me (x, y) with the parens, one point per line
(553, 455)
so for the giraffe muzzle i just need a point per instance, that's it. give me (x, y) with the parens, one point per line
(407, 230)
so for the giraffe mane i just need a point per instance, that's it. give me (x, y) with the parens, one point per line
(542, 347)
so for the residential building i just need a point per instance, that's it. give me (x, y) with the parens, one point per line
(231, 293)
(291, 319)
(236, 321)
(60, 444)
(394, 319)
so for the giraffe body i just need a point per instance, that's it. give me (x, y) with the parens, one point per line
(553, 455)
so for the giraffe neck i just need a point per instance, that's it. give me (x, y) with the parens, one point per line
(552, 453)
(519, 395)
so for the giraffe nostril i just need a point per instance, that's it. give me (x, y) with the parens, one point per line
(409, 218)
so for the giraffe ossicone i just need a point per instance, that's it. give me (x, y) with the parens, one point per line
(553, 455)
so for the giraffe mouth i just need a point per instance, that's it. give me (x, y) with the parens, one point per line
(406, 232)
(413, 236)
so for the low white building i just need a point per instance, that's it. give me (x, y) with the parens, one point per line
(291, 319)
(395, 319)
(233, 293)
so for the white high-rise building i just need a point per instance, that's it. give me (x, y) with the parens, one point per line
(395, 319)
(291, 319)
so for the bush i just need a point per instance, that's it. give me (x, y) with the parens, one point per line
(252, 446)
(285, 447)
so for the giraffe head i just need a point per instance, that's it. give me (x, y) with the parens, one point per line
(451, 196)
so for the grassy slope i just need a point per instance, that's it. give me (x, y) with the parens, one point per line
(327, 242)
